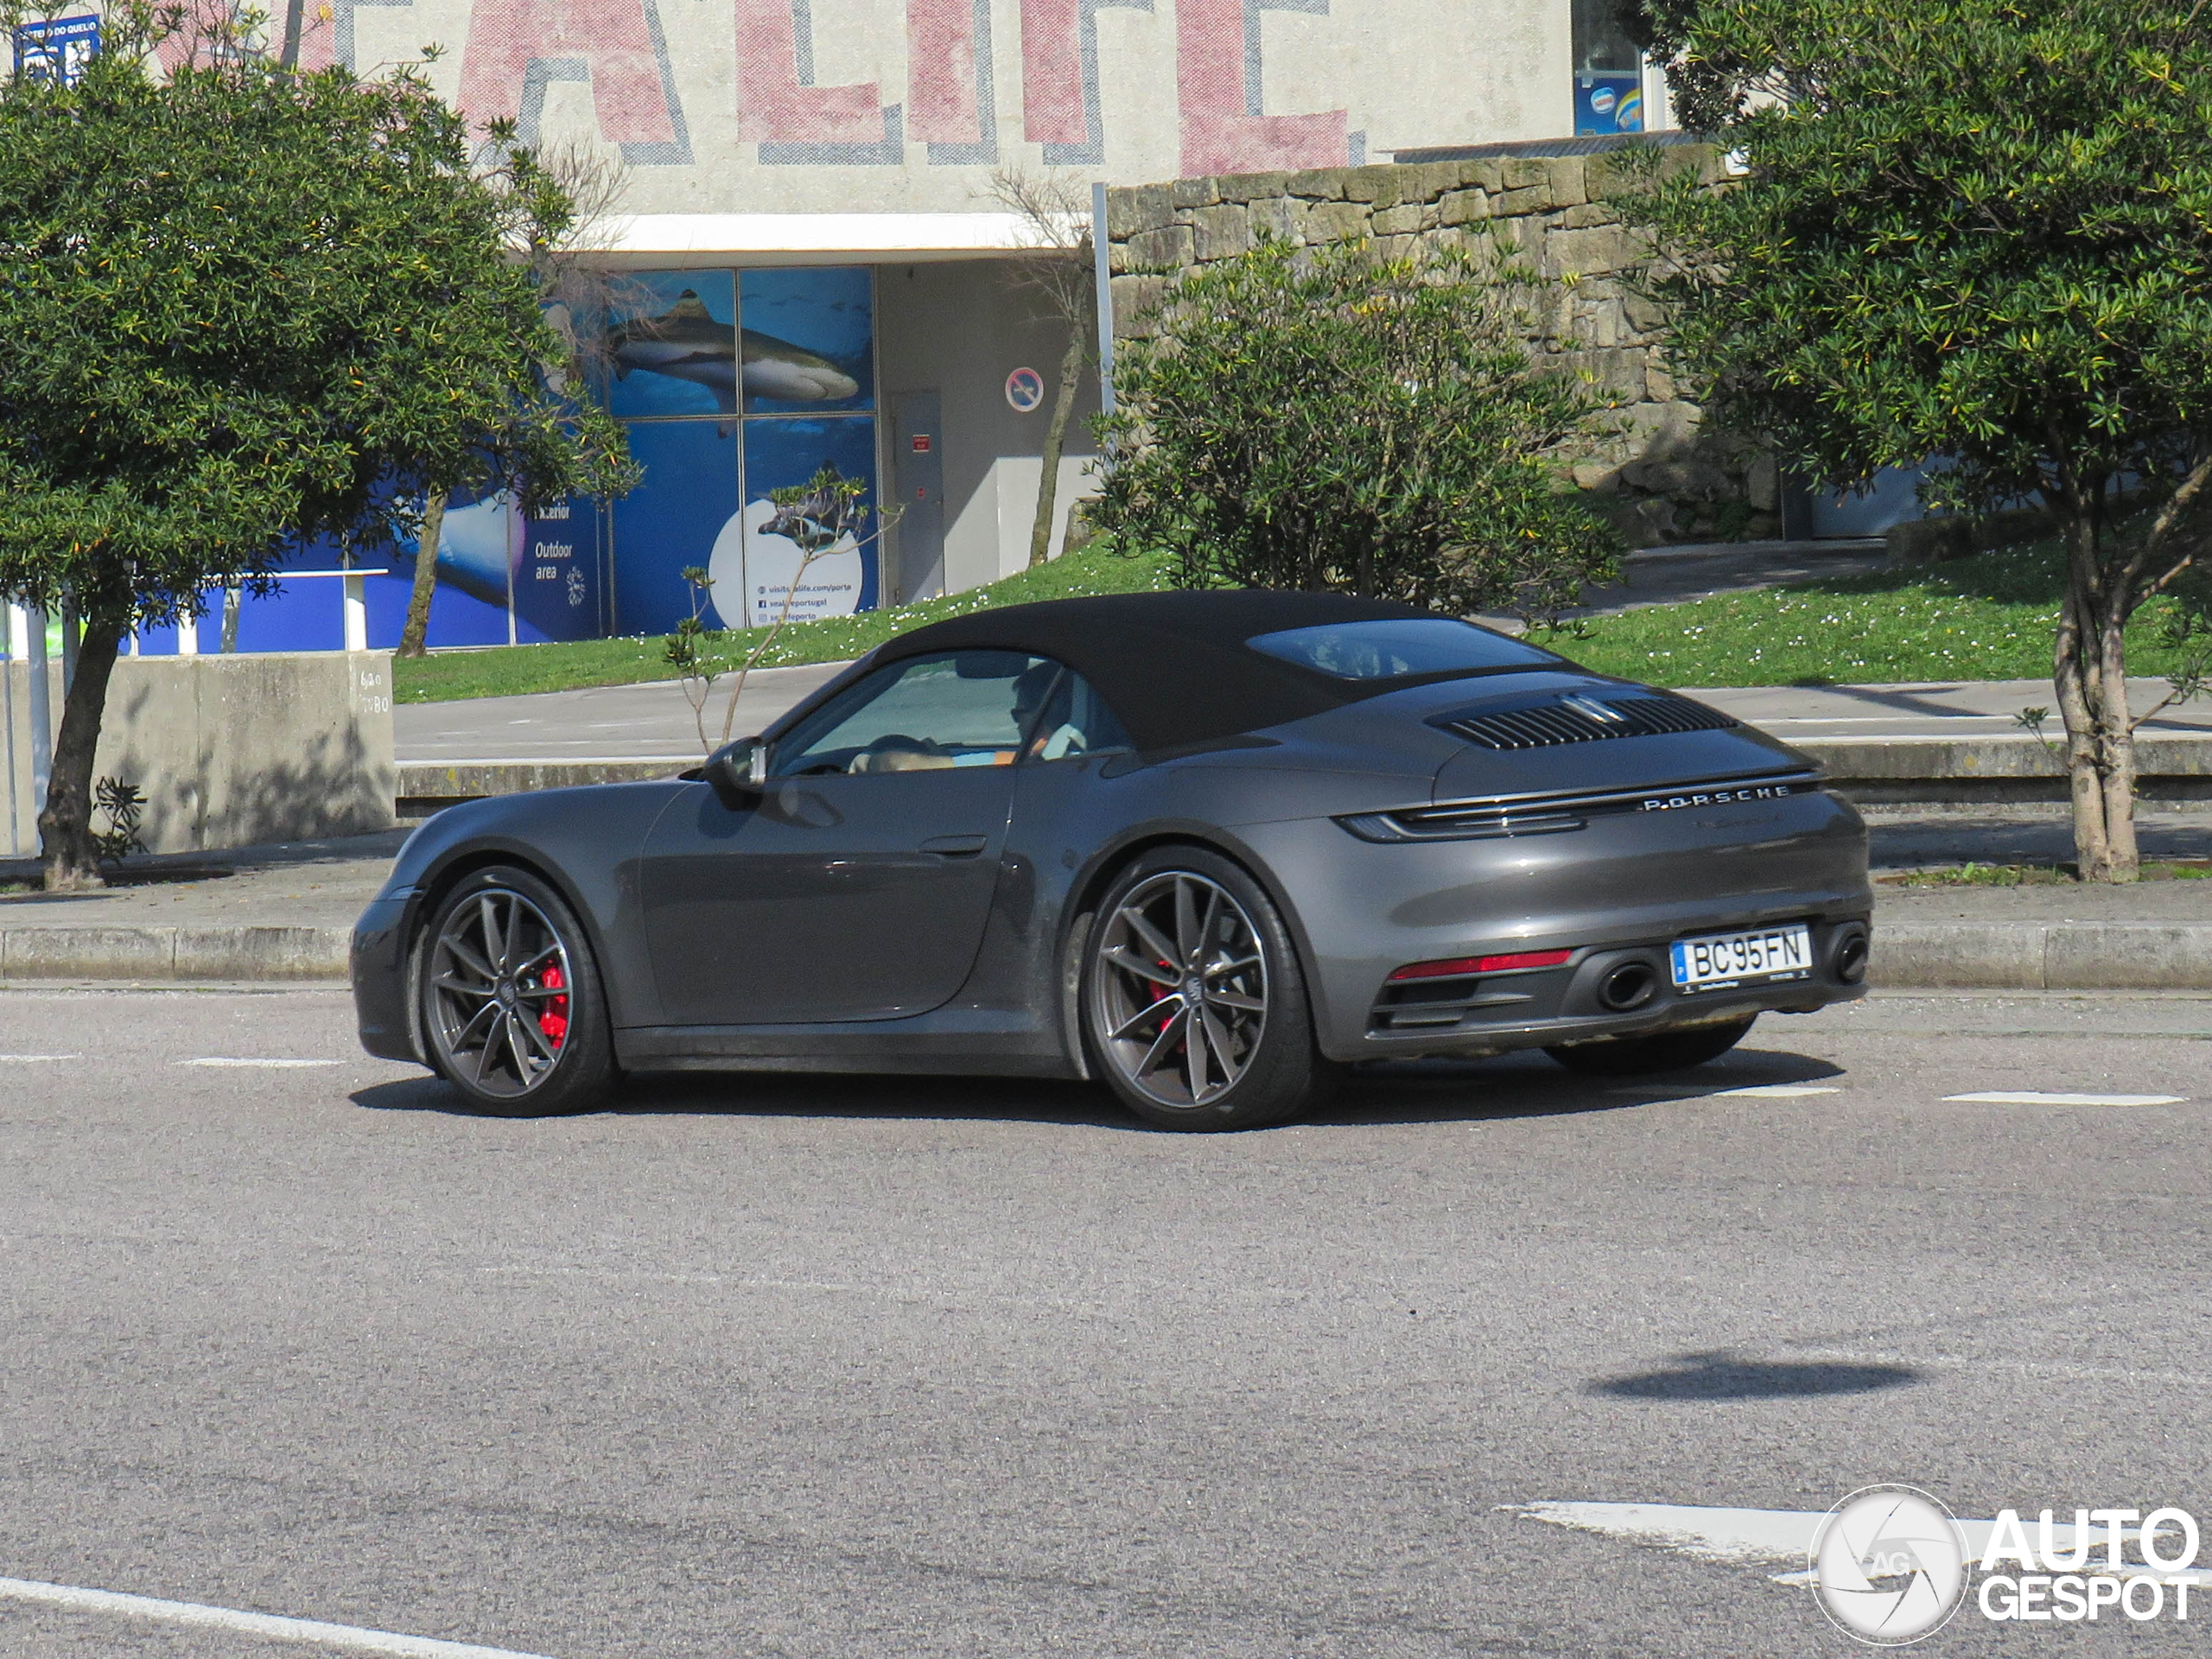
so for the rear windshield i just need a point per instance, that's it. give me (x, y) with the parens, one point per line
(1400, 649)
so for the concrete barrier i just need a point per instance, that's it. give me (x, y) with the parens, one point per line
(2041, 956)
(1990, 771)
(1871, 772)
(229, 750)
(426, 786)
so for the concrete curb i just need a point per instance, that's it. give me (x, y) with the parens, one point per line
(1908, 955)
(1871, 772)
(2042, 956)
(186, 953)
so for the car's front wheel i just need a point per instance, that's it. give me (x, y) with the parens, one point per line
(513, 1014)
(1666, 1051)
(1194, 1005)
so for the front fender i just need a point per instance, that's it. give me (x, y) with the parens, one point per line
(586, 843)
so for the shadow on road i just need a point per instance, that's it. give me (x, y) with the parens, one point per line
(1721, 1376)
(1403, 1091)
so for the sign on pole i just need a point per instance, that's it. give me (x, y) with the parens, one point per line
(57, 48)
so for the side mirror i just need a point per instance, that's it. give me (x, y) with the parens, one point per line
(738, 772)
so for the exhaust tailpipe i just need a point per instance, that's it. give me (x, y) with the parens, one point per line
(1628, 986)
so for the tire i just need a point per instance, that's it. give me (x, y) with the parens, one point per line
(1183, 922)
(547, 1047)
(1668, 1051)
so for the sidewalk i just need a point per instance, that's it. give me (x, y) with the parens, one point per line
(286, 912)
(253, 913)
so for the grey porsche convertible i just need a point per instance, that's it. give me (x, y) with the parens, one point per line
(1208, 849)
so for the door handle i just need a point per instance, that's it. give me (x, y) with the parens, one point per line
(956, 846)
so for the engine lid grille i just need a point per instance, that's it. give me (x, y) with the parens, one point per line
(1585, 717)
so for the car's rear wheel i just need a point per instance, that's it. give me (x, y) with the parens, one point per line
(1194, 1007)
(513, 1014)
(1666, 1051)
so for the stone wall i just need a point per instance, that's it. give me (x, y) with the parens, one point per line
(1664, 478)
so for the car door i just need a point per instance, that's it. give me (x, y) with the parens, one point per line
(859, 886)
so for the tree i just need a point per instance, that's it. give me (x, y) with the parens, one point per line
(1328, 418)
(827, 514)
(569, 286)
(1054, 267)
(1979, 231)
(240, 308)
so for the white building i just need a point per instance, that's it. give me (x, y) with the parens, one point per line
(817, 174)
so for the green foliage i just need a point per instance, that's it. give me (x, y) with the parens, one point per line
(1977, 230)
(124, 808)
(1985, 618)
(1329, 418)
(1981, 229)
(238, 306)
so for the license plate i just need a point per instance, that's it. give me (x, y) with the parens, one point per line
(1724, 959)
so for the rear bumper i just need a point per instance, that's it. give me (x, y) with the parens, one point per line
(1537, 1008)
(1622, 887)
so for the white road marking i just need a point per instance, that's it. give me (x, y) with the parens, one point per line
(1750, 1537)
(35, 1059)
(226, 1059)
(2037, 1097)
(351, 1638)
(1782, 1091)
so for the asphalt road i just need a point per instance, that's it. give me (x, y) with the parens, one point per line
(871, 1367)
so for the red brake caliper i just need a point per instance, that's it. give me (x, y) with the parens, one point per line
(553, 1016)
(1161, 996)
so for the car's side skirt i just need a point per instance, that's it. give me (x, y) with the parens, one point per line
(853, 1047)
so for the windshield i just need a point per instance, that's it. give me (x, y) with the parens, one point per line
(1400, 648)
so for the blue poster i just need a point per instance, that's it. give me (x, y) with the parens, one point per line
(810, 340)
(1606, 103)
(670, 343)
(559, 585)
(675, 518)
(838, 579)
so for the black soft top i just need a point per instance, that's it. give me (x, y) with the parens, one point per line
(1174, 666)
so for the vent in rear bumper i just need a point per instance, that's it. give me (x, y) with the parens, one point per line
(1584, 718)
(1545, 815)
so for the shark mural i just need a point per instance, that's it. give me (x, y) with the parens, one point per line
(687, 342)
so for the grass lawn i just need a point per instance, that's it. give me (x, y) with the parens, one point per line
(502, 670)
(1991, 617)
(1987, 617)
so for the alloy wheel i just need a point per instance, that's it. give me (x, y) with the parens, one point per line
(499, 993)
(1179, 992)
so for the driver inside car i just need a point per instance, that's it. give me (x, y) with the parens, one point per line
(1044, 704)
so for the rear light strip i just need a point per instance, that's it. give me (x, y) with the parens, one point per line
(1457, 967)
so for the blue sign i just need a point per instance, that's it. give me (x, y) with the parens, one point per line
(56, 49)
(1607, 102)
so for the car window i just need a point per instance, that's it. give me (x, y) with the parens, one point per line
(1070, 720)
(1399, 648)
(955, 709)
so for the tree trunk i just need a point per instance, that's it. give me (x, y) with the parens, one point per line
(1056, 437)
(288, 52)
(64, 825)
(230, 641)
(2090, 676)
(426, 578)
